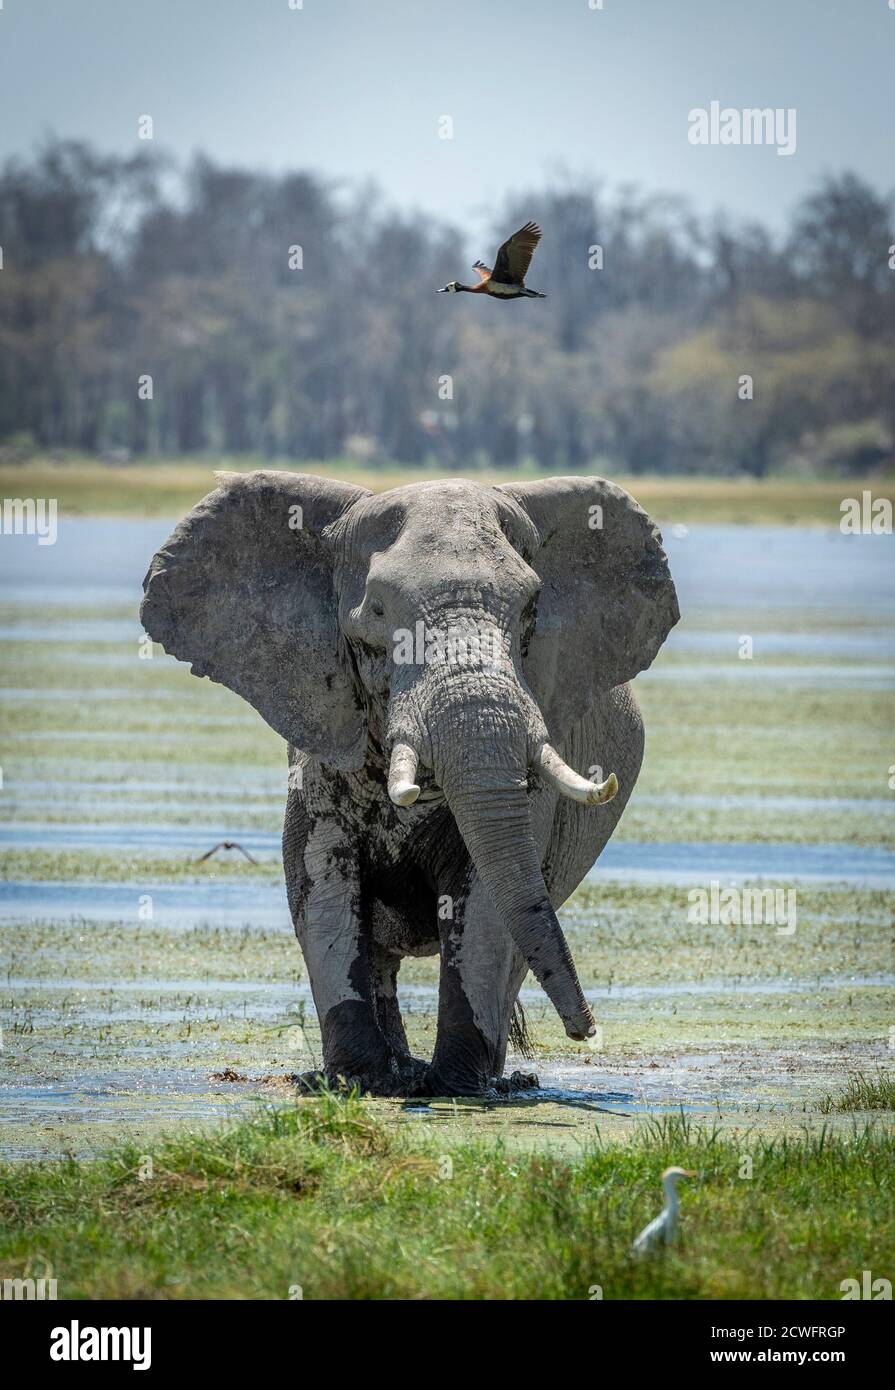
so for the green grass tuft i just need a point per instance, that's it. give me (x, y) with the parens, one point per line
(863, 1092)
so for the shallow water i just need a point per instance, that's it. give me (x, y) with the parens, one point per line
(134, 838)
(108, 1107)
(263, 905)
(95, 630)
(105, 559)
(21, 807)
(867, 645)
(778, 567)
(24, 799)
(641, 862)
(754, 801)
(731, 1086)
(127, 738)
(612, 1102)
(824, 677)
(174, 905)
(278, 994)
(628, 861)
(93, 1112)
(102, 695)
(690, 1080)
(163, 778)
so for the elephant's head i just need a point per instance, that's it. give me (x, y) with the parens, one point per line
(446, 635)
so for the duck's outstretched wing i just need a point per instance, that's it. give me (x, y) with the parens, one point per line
(514, 257)
(483, 271)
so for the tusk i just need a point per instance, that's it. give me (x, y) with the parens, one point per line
(561, 776)
(402, 787)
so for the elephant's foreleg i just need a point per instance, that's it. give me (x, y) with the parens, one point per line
(409, 1072)
(388, 1011)
(338, 956)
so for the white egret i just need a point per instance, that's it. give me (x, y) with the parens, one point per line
(663, 1228)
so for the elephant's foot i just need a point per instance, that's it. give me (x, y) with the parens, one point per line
(434, 1083)
(414, 1080)
(516, 1081)
(403, 1077)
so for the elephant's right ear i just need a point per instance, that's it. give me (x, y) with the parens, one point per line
(243, 590)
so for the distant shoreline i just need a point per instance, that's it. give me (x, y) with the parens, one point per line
(87, 487)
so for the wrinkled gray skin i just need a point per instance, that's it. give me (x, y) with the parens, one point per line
(297, 612)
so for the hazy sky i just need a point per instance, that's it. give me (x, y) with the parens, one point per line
(355, 88)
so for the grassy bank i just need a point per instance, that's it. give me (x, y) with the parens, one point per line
(320, 1198)
(167, 488)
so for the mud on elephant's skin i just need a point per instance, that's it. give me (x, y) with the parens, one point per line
(447, 662)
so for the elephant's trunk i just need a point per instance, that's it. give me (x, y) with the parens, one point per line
(478, 731)
(492, 814)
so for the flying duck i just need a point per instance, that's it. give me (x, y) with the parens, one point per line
(507, 279)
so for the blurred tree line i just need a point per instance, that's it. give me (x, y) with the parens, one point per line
(287, 318)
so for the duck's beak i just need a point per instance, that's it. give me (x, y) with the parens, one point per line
(443, 290)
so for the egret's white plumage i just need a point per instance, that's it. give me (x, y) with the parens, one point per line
(663, 1228)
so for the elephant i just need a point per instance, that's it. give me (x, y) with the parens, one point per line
(439, 658)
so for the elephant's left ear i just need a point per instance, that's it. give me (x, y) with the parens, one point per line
(607, 600)
(244, 590)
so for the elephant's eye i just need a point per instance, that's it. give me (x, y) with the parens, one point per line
(376, 608)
